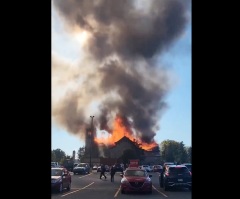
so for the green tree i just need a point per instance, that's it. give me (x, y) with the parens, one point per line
(81, 152)
(189, 154)
(60, 155)
(53, 156)
(181, 155)
(172, 151)
(168, 150)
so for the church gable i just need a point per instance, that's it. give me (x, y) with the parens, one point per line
(120, 146)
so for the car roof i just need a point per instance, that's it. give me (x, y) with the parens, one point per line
(58, 168)
(176, 165)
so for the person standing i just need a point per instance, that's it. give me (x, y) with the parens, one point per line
(103, 169)
(112, 172)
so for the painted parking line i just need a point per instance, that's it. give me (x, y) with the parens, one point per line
(77, 190)
(117, 192)
(160, 192)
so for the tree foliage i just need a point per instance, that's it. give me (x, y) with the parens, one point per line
(189, 154)
(58, 156)
(81, 152)
(172, 151)
(53, 156)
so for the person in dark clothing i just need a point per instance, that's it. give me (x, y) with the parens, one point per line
(162, 172)
(103, 169)
(112, 172)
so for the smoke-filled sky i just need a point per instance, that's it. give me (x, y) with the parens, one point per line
(127, 58)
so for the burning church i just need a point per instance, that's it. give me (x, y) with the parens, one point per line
(116, 144)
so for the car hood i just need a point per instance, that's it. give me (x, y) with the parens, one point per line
(135, 179)
(55, 177)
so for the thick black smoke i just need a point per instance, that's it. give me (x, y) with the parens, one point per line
(118, 27)
(124, 39)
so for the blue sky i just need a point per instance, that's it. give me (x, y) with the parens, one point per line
(175, 123)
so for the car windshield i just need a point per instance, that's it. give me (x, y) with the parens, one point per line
(56, 172)
(189, 167)
(178, 170)
(135, 173)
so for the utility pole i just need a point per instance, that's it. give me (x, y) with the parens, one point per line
(91, 136)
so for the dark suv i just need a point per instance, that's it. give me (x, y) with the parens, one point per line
(189, 166)
(175, 176)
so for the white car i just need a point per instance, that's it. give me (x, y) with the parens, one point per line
(146, 167)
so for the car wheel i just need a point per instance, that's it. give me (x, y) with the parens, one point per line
(69, 186)
(61, 188)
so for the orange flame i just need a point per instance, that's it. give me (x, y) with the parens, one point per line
(119, 131)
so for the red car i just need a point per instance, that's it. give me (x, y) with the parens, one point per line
(60, 179)
(136, 180)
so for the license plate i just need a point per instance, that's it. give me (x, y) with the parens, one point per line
(180, 180)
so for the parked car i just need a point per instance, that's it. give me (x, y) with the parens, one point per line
(165, 164)
(118, 168)
(95, 167)
(75, 164)
(55, 165)
(146, 167)
(99, 169)
(157, 168)
(151, 168)
(60, 179)
(81, 168)
(68, 164)
(175, 176)
(135, 180)
(188, 165)
(107, 168)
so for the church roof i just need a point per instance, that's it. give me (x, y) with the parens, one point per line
(126, 139)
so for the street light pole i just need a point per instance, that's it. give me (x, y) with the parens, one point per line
(91, 136)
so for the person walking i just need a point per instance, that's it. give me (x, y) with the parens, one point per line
(103, 169)
(112, 172)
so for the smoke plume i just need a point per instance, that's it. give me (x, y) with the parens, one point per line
(118, 75)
